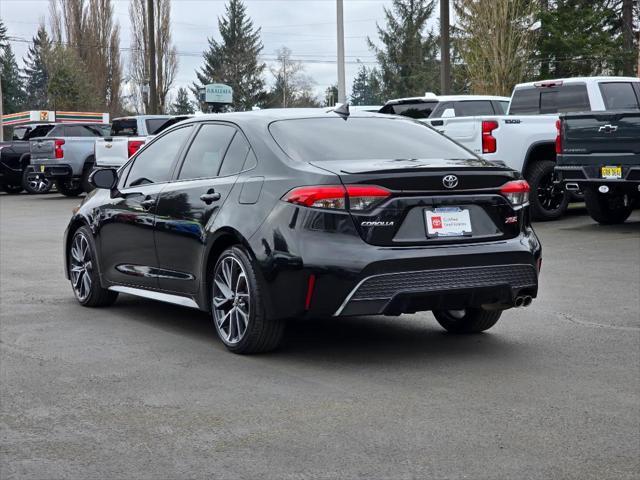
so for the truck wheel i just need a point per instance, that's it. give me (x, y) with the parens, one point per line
(607, 209)
(84, 181)
(12, 189)
(471, 320)
(69, 188)
(548, 199)
(35, 182)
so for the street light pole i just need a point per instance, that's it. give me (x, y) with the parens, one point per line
(445, 59)
(342, 96)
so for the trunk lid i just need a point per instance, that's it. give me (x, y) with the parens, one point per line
(418, 194)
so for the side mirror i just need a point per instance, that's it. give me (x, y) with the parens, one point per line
(106, 178)
(448, 113)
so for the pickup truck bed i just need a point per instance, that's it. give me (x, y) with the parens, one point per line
(599, 153)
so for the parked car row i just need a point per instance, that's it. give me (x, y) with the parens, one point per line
(65, 154)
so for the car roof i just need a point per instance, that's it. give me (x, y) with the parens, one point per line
(146, 117)
(464, 98)
(269, 115)
(579, 80)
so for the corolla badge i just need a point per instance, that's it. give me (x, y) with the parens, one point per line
(450, 181)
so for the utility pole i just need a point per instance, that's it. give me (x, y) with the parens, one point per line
(445, 58)
(284, 81)
(342, 96)
(153, 88)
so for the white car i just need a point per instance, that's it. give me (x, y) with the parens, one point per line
(525, 138)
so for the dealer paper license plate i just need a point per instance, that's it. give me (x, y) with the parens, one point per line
(611, 172)
(448, 222)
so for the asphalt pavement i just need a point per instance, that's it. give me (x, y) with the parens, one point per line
(145, 390)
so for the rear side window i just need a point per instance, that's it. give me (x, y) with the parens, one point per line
(235, 157)
(124, 128)
(84, 131)
(205, 154)
(472, 108)
(366, 139)
(501, 107)
(619, 96)
(154, 163)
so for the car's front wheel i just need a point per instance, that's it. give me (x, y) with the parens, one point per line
(470, 320)
(83, 271)
(237, 306)
(69, 188)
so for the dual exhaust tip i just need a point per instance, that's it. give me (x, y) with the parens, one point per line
(523, 301)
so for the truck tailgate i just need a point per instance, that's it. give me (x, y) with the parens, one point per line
(43, 148)
(113, 152)
(600, 138)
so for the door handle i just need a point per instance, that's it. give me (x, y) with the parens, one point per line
(210, 196)
(147, 203)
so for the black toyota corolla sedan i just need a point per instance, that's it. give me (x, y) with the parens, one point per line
(258, 217)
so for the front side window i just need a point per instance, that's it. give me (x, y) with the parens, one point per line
(473, 108)
(205, 154)
(154, 163)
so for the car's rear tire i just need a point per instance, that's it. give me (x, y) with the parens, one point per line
(12, 189)
(237, 306)
(607, 209)
(83, 271)
(471, 320)
(548, 200)
(69, 188)
(35, 182)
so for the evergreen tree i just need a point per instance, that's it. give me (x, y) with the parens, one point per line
(234, 60)
(407, 57)
(182, 105)
(331, 96)
(582, 38)
(35, 74)
(366, 87)
(12, 86)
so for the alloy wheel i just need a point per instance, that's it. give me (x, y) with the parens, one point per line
(550, 195)
(38, 183)
(81, 266)
(231, 300)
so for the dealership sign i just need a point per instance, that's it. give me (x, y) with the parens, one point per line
(218, 93)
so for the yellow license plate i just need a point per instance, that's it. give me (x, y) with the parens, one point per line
(611, 172)
(42, 168)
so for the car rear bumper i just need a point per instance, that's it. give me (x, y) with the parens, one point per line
(589, 176)
(52, 170)
(316, 273)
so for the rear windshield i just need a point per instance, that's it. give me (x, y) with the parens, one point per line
(537, 100)
(332, 138)
(412, 109)
(619, 96)
(39, 131)
(127, 127)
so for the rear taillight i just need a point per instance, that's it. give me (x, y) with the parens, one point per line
(133, 146)
(558, 137)
(337, 197)
(517, 192)
(58, 148)
(488, 140)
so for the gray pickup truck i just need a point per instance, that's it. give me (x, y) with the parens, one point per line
(68, 157)
(599, 153)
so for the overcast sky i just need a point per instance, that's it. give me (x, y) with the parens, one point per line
(307, 27)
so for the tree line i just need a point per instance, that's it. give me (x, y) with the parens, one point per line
(77, 64)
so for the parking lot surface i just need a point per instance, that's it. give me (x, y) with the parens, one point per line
(146, 390)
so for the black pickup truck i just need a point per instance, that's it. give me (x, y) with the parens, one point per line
(599, 153)
(14, 159)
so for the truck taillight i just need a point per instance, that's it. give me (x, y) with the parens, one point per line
(335, 197)
(58, 148)
(516, 191)
(558, 137)
(133, 146)
(488, 140)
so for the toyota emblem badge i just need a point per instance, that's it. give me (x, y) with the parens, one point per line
(450, 181)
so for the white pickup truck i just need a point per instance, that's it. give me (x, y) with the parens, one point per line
(127, 135)
(525, 138)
